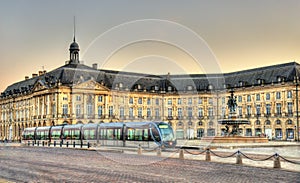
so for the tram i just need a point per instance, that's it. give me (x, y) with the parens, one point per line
(129, 134)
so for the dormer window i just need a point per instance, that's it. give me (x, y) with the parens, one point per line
(280, 79)
(260, 81)
(210, 87)
(189, 88)
(241, 83)
(121, 85)
(170, 88)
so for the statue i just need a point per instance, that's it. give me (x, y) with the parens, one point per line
(232, 102)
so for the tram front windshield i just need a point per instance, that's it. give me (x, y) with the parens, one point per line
(166, 132)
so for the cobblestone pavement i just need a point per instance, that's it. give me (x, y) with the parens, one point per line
(38, 164)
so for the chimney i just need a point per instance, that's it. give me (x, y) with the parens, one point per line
(26, 77)
(34, 75)
(44, 72)
(41, 73)
(95, 66)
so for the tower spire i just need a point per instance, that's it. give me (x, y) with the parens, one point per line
(74, 48)
(74, 31)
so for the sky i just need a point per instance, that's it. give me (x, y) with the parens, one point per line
(155, 37)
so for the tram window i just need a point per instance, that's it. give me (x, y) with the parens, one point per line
(67, 134)
(118, 134)
(138, 134)
(43, 135)
(89, 134)
(102, 134)
(155, 134)
(110, 134)
(130, 134)
(55, 135)
(76, 135)
(146, 135)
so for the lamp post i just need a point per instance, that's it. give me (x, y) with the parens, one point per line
(297, 109)
(295, 133)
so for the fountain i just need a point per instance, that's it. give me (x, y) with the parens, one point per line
(231, 134)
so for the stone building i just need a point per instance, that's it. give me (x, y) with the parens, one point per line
(192, 104)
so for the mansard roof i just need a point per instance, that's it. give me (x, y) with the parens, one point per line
(73, 74)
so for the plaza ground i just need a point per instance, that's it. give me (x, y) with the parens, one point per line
(44, 164)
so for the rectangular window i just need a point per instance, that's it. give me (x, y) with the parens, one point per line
(268, 96)
(156, 113)
(100, 98)
(190, 112)
(131, 112)
(148, 101)
(169, 101)
(278, 95)
(89, 110)
(200, 112)
(268, 109)
(140, 112)
(100, 113)
(169, 112)
(200, 101)
(121, 112)
(248, 98)
(278, 108)
(257, 97)
(140, 100)
(78, 98)
(110, 111)
(289, 94)
(179, 101)
(65, 109)
(240, 99)
(223, 100)
(248, 110)
(290, 107)
(148, 112)
(190, 101)
(130, 100)
(258, 110)
(210, 101)
(157, 101)
(240, 110)
(210, 111)
(78, 110)
(179, 110)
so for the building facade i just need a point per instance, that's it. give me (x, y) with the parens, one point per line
(75, 93)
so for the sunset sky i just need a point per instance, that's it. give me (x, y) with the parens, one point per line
(193, 36)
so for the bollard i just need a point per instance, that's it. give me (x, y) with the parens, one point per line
(60, 144)
(181, 154)
(81, 144)
(54, 143)
(74, 144)
(28, 143)
(43, 143)
(277, 161)
(32, 143)
(207, 155)
(67, 144)
(139, 150)
(38, 143)
(239, 158)
(158, 151)
(88, 145)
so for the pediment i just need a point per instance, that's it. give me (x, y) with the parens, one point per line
(90, 84)
(39, 85)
